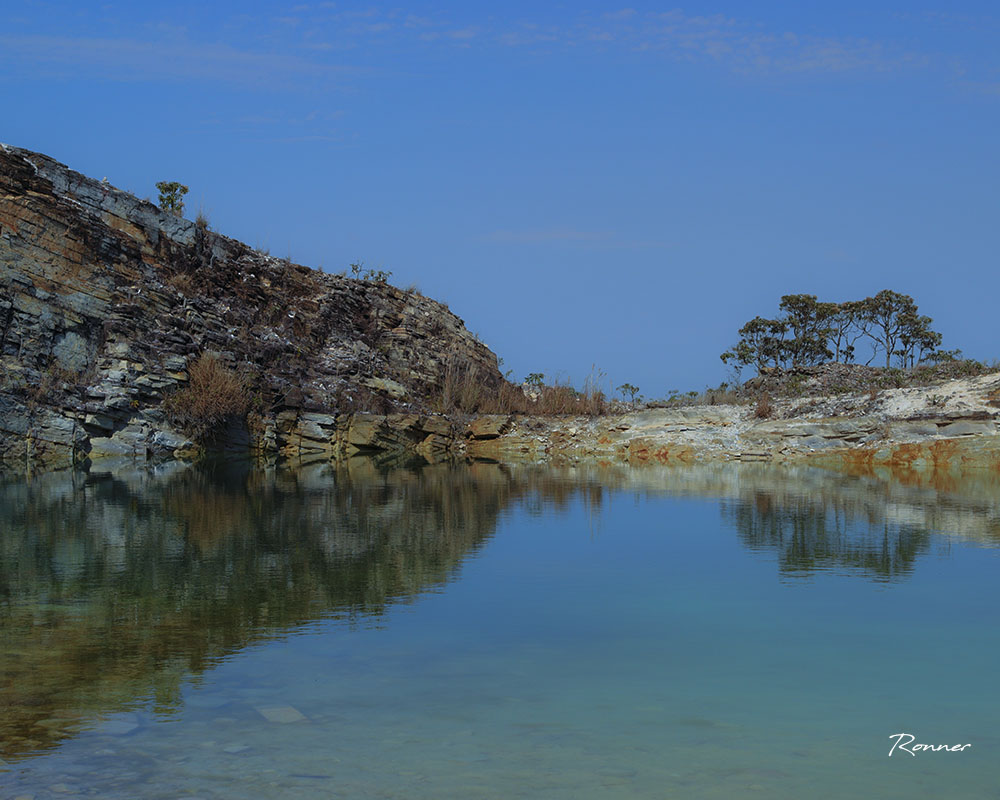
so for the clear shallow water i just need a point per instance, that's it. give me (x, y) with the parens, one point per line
(487, 631)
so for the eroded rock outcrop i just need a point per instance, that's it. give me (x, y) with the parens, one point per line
(105, 301)
(952, 425)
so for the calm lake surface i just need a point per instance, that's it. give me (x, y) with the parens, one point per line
(491, 631)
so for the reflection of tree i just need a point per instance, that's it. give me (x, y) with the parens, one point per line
(115, 590)
(811, 534)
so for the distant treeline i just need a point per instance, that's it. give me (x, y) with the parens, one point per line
(813, 332)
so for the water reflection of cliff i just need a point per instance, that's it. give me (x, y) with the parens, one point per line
(115, 588)
(874, 525)
(870, 525)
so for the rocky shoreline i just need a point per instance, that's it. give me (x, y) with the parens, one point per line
(947, 426)
(106, 303)
(912, 425)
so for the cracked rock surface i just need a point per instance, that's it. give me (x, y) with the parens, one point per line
(105, 300)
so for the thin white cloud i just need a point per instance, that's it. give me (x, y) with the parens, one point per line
(132, 59)
(739, 45)
(295, 52)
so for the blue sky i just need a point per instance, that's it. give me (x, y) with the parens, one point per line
(586, 185)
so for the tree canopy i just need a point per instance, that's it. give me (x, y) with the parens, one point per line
(171, 196)
(813, 332)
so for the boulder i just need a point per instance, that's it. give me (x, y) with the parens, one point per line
(489, 427)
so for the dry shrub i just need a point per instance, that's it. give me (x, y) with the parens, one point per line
(51, 382)
(510, 399)
(182, 282)
(565, 400)
(470, 396)
(214, 395)
(461, 390)
(764, 408)
(464, 391)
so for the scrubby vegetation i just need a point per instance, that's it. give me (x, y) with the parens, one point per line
(378, 275)
(822, 380)
(629, 391)
(764, 408)
(214, 396)
(463, 391)
(833, 379)
(171, 196)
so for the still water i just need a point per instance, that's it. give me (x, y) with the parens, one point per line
(489, 631)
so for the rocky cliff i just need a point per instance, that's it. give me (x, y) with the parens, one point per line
(108, 304)
(106, 301)
(944, 427)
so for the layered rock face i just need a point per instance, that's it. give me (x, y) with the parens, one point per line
(106, 301)
(950, 426)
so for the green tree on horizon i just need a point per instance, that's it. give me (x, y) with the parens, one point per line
(814, 332)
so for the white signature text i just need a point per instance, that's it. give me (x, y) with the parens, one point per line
(905, 742)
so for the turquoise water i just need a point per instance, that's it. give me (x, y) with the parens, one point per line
(495, 632)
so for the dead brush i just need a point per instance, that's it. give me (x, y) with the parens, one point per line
(717, 397)
(214, 395)
(52, 381)
(460, 390)
(565, 400)
(470, 396)
(508, 399)
(464, 390)
(183, 283)
(764, 409)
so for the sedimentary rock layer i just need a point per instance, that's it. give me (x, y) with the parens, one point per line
(953, 425)
(105, 301)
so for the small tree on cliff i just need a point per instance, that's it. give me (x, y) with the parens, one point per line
(898, 329)
(848, 324)
(917, 341)
(762, 343)
(171, 193)
(809, 323)
(628, 389)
